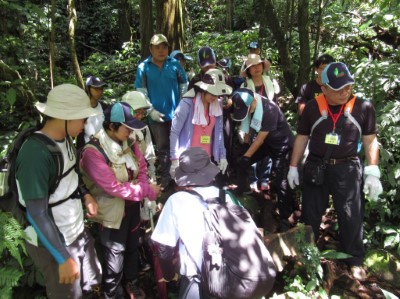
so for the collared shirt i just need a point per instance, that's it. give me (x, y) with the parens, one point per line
(164, 86)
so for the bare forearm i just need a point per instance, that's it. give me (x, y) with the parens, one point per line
(299, 147)
(371, 146)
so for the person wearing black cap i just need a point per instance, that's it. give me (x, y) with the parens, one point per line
(333, 147)
(207, 60)
(312, 89)
(268, 133)
(116, 173)
(94, 88)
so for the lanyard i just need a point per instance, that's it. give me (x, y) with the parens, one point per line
(335, 117)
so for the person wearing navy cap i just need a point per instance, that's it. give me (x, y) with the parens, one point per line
(116, 173)
(267, 134)
(333, 146)
(94, 88)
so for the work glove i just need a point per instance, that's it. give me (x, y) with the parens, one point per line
(372, 184)
(156, 115)
(223, 165)
(148, 209)
(240, 135)
(152, 171)
(293, 177)
(174, 165)
(244, 162)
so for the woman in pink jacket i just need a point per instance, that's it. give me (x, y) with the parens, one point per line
(116, 173)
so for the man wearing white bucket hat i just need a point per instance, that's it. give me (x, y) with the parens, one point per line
(58, 243)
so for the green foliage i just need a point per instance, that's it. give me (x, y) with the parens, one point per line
(11, 248)
(307, 275)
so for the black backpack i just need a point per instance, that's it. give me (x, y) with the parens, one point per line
(9, 201)
(236, 264)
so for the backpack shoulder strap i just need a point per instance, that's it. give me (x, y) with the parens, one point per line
(323, 110)
(57, 156)
(347, 113)
(95, 143)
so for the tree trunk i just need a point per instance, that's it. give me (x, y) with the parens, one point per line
(124, 16)
(71, 36)
(171, 22)
(318, 28)
(52, 42)
(229, 14)
(304, 39)
(272, 21)
(146, 26)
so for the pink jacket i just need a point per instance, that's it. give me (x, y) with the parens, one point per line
(95, 166)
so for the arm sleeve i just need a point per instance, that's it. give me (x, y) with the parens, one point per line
(95, 166)
(47, 231)
(169, 259)
(179, 120)
(34, 177)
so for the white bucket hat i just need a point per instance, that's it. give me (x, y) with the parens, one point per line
(136, 99)
(213, 82)
(67, 101)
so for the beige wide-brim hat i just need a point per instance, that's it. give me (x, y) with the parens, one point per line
(67, 101)
(213, 81)
(136, 99)
(252, 59)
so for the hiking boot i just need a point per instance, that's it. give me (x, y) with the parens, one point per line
(134, 292)
(358, 273)
(95, 293)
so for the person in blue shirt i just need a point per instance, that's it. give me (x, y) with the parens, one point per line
(164, 81)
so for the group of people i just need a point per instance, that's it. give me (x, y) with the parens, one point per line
(200, 120)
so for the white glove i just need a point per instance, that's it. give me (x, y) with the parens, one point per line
(174, 165)
(293, 177)
(372, 184)
(148, 210)
(156, 115)
(223, 165)
(152, 171)
(241, 136)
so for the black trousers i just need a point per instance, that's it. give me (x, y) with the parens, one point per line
(280, 164)
(121, 251)
(344, 183)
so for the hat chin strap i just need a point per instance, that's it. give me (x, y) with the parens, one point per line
(69, 145)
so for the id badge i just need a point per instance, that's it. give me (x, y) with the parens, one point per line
(205, 139)
(332, 138)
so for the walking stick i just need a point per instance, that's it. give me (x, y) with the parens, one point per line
(161, 285)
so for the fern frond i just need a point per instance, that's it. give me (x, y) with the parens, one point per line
(9, 277)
